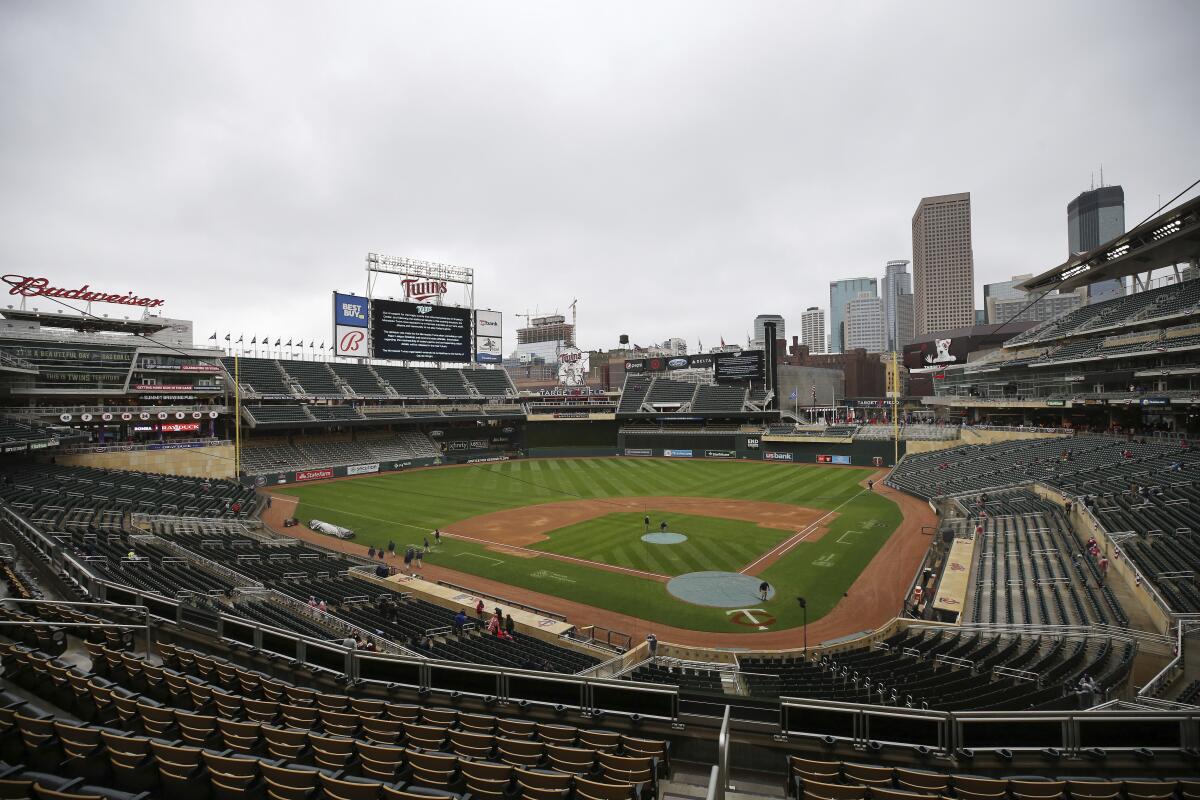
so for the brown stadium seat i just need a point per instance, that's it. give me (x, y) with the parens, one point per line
(817, 790)
(231, 776)
(867, 774)
(343, 789)
(380, 761)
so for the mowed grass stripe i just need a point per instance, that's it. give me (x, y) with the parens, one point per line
(381, 507)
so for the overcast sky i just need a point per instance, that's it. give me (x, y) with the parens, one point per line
(677, 167)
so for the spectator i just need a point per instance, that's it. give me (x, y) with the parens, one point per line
(460, 621)
(322, 607)
(652, 644)
(509, 625)
(479, 610)
(1103, 569)
(312, 602)
(131, 555)
(494, 627)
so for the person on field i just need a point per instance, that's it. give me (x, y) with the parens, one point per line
(437, 535)
(426, 542)
(371, 551)
(662, 526)
(763, 589)
(647, 523)
(408, 559)
(419, 558)
(391, 548)
(870, 485)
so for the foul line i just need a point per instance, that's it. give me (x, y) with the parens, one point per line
(787, 544)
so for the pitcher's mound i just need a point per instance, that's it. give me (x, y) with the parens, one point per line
(717, 589)
(665, 537)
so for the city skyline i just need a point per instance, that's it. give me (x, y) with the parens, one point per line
(260, 171)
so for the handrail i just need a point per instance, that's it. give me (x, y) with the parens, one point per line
(1160, 680)
(128, 447)
(383, 644)
(220, 569)
(45, 411)
(722, 767)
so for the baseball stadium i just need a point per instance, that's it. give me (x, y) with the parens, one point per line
(399, 568)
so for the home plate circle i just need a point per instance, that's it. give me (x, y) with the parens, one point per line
(718, 589)
(665, 537)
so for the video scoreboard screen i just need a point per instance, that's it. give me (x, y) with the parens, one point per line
(420, 331)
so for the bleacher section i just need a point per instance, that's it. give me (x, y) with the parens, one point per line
(633, 394)
(944, 670)
(260, 376)
(447, 381)
(360, 378)
(406, 381)
(716, 398)
(78, 498)
(278, 414)
(281, 458)
(659, 394)
(490, 382)
(334, 413)
(1030, 569)
(314, 378)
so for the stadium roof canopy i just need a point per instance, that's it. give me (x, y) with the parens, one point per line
(1170, 238)
(80, 322)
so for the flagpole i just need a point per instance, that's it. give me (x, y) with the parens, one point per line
(237, 419)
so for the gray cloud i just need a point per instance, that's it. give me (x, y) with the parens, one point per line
(678, 167)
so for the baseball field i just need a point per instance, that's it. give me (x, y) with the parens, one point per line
(575, 528)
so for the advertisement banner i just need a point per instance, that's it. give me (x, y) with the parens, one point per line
(719, 454)
(457, 446)
(486, 459)
(420, 331)
(772, 455)
(752, 442)
(677, 453)
(350, 341)
(479, 444)
(841, 459)
(824, 459)
(349, 310)
(638, 451)
(573, 366)
(488, 350)
(180, 427)
(362, 469)
(313, 475)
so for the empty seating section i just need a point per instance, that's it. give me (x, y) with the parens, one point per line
(1145, 493)
(312, 455)
(406, 381)
(820, 778)
(447, 381)
(490, 382)
(314, 378)
(258, 375)
(360, 378)
(913, 432)
(633, 394)
(335, 413)
(1029, 569)
(715, 398)
(1167, 302)
(947, 670)
(665, 391)
(59, 498)
(13, 431)
(278, 413)
(126, 728)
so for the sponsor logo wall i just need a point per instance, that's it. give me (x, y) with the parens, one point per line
(719, 454)
(362, 469)
(334, 472)
(823, 459)
(638, 451)
(313, 475)
(774, 455)
(677, 453)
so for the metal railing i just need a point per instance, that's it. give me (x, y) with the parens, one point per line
(1169, 670)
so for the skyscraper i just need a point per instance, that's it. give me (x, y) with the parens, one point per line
(840, 293)
(943, 263)
(812, 329)
(761, 320)
(863, 323)
(1093, 218)
(896, 293)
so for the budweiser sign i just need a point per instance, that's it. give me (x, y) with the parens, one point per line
(417, 289)
(40, 287)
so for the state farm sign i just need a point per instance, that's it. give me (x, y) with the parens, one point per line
(27, 286)
(313, 475)
(417, 289)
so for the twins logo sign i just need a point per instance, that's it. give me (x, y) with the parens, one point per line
(418, 290)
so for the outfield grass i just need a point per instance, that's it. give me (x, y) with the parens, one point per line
(406, 506)
(713, 543)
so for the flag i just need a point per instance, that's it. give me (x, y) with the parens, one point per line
(289, 343)
(227, 336)
(241, 338)
(254, 340)
(794, 395)
(311, 344)
(214, 336)
(322, 345)
(722, 341)
(277, 341)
